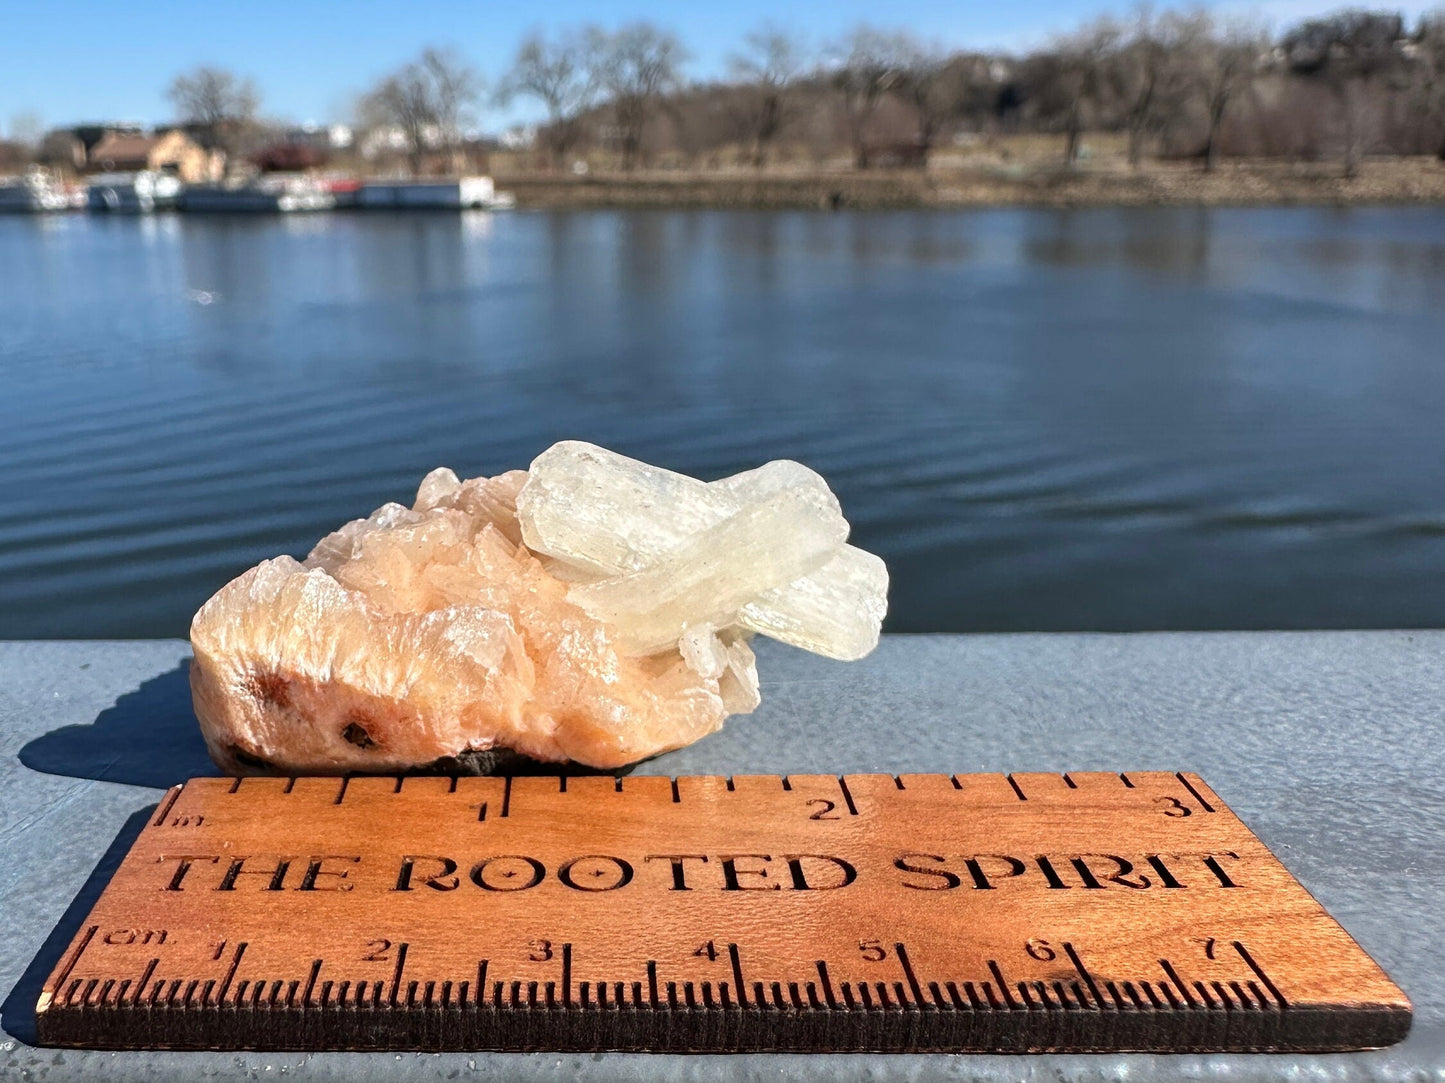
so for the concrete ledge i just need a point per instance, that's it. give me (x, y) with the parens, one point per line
(1328, 744)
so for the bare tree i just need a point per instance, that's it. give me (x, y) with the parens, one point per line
(558, 73)
(767, 69)
(429, 99)
(635, 67)
(1228, 61)
(938, 86)
(1428, 84)
(1155, 72)
(1349, 52)
(1079, 77)
(216, 102)
(871, 65)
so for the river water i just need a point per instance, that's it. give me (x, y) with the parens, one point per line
(1092, 419)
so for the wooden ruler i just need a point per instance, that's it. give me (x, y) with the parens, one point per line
(924, 912)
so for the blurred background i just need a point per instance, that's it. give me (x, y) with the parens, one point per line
(1094, 318)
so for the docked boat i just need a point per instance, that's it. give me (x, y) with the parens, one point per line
(132, 193)
(441, 193)
(34, 193)
(283, 193)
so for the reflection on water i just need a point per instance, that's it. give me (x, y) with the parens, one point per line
(1043, 419)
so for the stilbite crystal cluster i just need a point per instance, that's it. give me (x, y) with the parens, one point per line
(591, 609)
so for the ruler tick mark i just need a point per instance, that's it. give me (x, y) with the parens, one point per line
(1260, 974)
(144, 980)
(230, 972)
(1008, 999)
(908, 973)
(1083, 973)
(341, 790)
(290, 785)
(1205, 805)
(738, 975)
(1168, 968)
(75, 957)
(827, 984)
(1204, 995)
(396, 977)
(506, 795)
(847, 796)
(310, 980)
(1013, 782)
(567, 974)
(165, 807)
(676, 797)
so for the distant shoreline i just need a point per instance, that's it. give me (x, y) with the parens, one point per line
(1383, 181)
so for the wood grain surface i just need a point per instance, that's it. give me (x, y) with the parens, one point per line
(1019, 913)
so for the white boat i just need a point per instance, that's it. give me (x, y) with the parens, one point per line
(441, 193)
(34, 193)
(277, 192)
(132, 193)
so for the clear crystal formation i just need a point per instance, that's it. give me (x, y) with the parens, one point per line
(592, 609)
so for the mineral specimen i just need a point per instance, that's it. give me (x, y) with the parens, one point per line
(592, 609)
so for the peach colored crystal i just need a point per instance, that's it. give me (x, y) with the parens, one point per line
(605, 622)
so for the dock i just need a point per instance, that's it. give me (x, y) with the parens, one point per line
(147, 192)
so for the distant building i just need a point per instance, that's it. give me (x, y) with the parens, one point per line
(383, 140)
(323, 137)
(172, 152)
(388, 139)
(70, 148)
(289, 157)
(518, 137)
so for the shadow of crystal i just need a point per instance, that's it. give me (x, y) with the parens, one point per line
(148, 738)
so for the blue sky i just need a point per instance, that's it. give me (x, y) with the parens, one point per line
(72, 60)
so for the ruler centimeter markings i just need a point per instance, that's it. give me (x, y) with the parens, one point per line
(993, 913)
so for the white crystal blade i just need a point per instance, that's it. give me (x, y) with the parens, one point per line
(835, 612)
(765, 545)
(600, 513)
(598, 510)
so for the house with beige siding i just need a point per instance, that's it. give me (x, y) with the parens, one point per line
(172, 152)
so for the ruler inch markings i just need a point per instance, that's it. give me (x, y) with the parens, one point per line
(1184, 781)
(1038, 911)
(167, 803)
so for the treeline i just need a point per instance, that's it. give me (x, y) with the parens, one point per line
(1179, 85)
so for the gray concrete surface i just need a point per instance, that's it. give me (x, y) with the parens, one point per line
(1327, 744)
